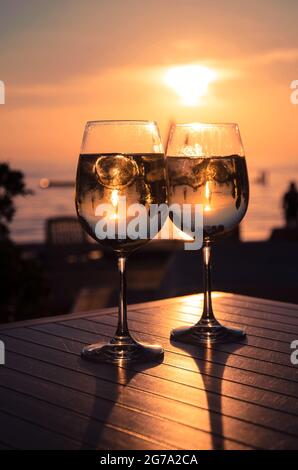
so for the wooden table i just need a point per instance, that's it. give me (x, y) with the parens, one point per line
(232, 396)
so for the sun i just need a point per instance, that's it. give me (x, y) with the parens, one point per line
(190, 82)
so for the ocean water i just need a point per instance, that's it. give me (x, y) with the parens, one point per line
(264, 212)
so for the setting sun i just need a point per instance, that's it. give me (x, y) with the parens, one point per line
(190, 82)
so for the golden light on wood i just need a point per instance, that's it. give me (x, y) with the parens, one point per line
(190, 82)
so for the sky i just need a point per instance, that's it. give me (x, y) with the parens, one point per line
(66, 62)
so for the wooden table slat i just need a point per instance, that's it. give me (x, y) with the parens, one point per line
(106, 327)
(241, 396)
(259, 395)
(263, 349)
(135, 399)
(186, 367)
(251, 326)
(161, 329)
(273, 319)
(105, 414)
(81, 428)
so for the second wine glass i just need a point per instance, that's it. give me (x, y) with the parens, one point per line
(206, 166)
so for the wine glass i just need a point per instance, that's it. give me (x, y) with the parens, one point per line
(206, 165)
(121, 164)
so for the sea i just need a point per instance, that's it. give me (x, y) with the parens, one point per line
(264, 211)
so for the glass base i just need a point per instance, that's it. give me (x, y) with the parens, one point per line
(120, 351)
(210, 332)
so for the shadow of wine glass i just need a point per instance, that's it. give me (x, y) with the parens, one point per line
(109, 389)
(211, 362)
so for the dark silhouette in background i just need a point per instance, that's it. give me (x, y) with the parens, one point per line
(21, 281)
(12, 184)
(288, 233)
(290, 205)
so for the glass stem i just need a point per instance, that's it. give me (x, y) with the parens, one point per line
(208, 315)
(122, 331)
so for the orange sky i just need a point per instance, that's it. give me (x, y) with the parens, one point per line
(66, 62)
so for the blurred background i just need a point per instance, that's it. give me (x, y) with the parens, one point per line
(65, 62)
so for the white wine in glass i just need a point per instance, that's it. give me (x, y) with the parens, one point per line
(120, 160)
(206, 165)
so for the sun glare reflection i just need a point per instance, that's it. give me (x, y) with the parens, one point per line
(207, 206)
(190, 82)
(115, 201)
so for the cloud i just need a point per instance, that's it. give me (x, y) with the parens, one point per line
(273, 56)
(48, 42)
(85, 89)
